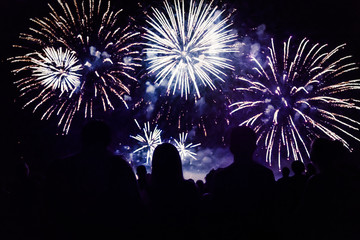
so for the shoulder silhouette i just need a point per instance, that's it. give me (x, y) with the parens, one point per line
(330, 195)
(92, 191)
(242, 192)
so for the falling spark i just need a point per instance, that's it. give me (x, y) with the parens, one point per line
(297, 96)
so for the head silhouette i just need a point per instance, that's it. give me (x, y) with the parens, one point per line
(166, 164)
(323, 153)
(141, 171)
(310, 169)
(242, 142)
(340, 153)
(298, 167)
(96, 134)
(285, 171)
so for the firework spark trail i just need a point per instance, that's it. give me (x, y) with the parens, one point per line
(298, 96)
(77, 59)
(187, 47)
(185, 150)
(149, 140)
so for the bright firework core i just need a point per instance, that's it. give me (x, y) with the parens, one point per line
(187, 46)
(57, 69)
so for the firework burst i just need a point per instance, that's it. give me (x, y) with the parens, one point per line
(149, 140)
(188, 45)
(185, 149)
(298, 95)
(77, 60)
(57, 69)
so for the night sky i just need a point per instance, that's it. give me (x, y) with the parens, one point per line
(332, 22)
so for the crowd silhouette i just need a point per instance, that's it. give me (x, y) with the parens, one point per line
(96, 194)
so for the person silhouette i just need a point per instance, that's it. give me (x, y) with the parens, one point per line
(284, 199)
(200, 185)
(283, 184)
(92, 193)
(173, 200)
(298, 168)
(143, 177)
(285, 172)
(242, 191)
(20, 214)
(331, 196)
(298, 181)
(143, 183)
(310, 170)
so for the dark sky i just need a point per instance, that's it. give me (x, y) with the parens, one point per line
(337, 21)
(332, 22)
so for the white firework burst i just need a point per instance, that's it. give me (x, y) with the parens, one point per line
(149, 140)
(57, 69)
(187, 46)
(78, 59)
(185, 149)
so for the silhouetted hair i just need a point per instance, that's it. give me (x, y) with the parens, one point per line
(310, 168)
(141, 171)
(96, 132)
(323, 153)
(297, 167)
(166, 164)
(242, 141)
(285, 171)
